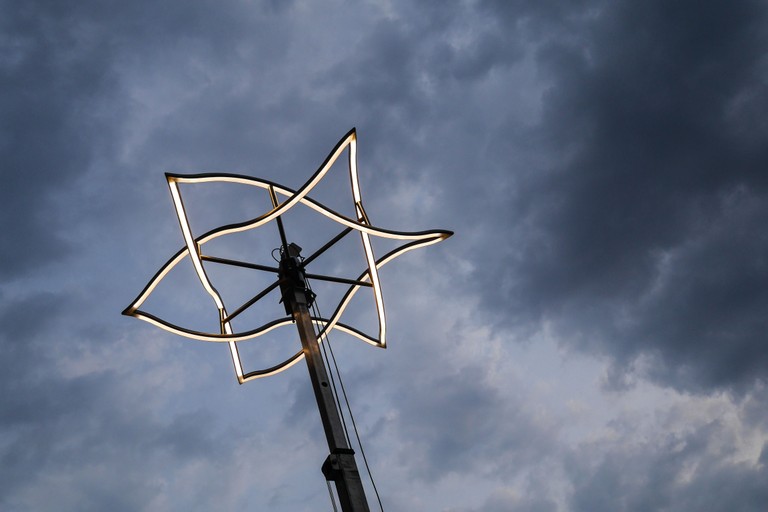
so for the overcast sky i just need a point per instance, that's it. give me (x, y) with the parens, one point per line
(593, 338)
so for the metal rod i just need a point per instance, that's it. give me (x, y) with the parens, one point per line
(275, 204)
(236, 263)
(253, 301)
(338, 279)
(327, 246)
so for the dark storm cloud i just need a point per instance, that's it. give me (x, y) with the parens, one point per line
(66, 103)
(624, 207)
(643, 237)
(684, 471)
(82, 430)
(51, 73)
(409, 84)
(398, 63)
(484, 430)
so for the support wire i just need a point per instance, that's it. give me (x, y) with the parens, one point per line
(346, 401)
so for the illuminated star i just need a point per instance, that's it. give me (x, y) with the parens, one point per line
(368, 278)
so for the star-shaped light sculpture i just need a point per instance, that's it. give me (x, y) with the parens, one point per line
(290, 198)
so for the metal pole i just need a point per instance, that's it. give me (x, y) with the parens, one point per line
(340, 466)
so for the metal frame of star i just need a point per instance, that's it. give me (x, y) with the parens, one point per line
(193, 249)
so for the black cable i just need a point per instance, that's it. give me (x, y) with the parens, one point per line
(349, 409)
(354, 425)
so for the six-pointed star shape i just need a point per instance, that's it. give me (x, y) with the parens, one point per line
(368, 278)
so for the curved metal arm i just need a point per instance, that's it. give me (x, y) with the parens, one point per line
(368, 278)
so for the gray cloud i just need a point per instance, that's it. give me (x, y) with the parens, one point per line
(483, 430)
(53, 73)
(503, 500)
(81, 432)
(682, 471)
(601, 163)
(643, 239)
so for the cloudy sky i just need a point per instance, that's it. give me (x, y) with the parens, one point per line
(593, 338)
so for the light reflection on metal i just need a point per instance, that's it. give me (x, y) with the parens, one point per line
(368, 278)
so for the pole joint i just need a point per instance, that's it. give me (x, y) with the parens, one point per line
(293, 281)
(339, 462)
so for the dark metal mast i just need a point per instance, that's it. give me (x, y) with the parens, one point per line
(340, 466)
